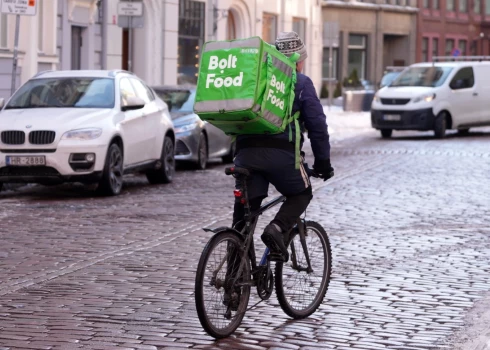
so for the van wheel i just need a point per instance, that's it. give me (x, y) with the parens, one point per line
(440, 125)
(386, 133)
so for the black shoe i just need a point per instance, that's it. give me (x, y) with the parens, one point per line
(274, 240)
(233, 299)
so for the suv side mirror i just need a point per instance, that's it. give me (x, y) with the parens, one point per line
(133, 103)
(2, 102)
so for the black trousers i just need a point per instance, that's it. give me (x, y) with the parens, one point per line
(276, 167)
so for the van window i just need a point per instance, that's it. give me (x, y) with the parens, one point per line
(422, 76)
(463, 79)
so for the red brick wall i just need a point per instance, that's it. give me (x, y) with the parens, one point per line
(454, 25)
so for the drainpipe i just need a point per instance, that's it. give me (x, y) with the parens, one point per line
(103, 33)
(376, 47)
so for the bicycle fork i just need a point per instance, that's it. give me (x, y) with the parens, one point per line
(302, 237)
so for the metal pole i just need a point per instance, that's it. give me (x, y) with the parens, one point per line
(103, 33)
(130, 44)
(330, 74)
(16, 46)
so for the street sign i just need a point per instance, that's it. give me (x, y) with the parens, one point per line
(130, 21)
(20, 7)
(125, 8)
(456, 52)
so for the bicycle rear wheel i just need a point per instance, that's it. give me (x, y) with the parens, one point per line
(221, 296)
(300, 292)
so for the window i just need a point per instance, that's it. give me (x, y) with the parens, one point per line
(191, 39)
(425, 4)
(463, 79)
(357, 55)
(450, 5)
(449, 47)
(3, 30)
(40, 26)
(435, 47)
(326, 65)
(487, 7)
(423, 76)
(299, 26)
(462, 45)
(477, 6)
(463, 6)
(142, 91)
(126, 90)
(269, 28)
(425, 49)
(435, 4)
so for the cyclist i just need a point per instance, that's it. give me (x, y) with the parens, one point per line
(272, 158)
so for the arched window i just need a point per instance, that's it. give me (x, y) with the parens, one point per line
(231, 27)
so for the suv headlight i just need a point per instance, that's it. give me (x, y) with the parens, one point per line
(82, 134)
(185, 127)
(376, 97)
(426, 98)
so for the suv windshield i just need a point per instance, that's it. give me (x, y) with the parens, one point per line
(178, 101)
(422, 76)
(64, 92)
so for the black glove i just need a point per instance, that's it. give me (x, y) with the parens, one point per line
(323, 168)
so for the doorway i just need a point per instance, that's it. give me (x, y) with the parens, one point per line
(125, 49)
(76, 47)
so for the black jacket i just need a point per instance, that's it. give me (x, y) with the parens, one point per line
(312, 118)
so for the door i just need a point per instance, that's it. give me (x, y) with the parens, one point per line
(132, 127)
(482, 76)
(152, 115)
(464, 97)
(76, 47)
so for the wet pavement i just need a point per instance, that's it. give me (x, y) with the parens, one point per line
(407, 219)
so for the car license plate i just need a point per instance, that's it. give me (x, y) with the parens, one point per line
(25, 160)
(392, 117)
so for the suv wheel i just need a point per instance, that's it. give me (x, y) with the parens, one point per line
(165, 173)
(112, 175)
(440, 125)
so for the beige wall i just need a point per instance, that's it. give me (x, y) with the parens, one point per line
(375, 22)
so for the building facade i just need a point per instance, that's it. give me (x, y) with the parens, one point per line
(162, 46)
(453, 28)
(371, 36)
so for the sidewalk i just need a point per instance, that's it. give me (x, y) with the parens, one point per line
(342, 125)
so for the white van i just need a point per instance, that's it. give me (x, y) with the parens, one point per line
(435, 96)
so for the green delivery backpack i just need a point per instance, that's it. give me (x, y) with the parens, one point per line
(246, 86)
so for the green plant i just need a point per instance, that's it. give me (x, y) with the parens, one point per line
(324, 91)
(338, 90)
(353, 80)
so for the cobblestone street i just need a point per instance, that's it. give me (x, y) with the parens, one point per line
(407, 218)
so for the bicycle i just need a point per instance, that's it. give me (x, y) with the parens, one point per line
(235, 269)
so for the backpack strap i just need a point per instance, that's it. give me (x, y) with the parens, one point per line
(294, 118)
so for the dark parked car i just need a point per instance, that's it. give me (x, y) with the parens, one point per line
(197, 140)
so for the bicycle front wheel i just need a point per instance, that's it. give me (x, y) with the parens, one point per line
(221, 294)
(299, 291)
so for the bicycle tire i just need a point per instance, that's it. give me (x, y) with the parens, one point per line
(287, 293)
(212, 314)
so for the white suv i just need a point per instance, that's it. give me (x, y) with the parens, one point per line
(85, 126)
